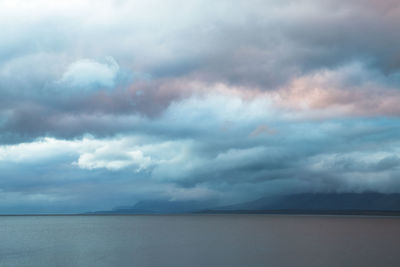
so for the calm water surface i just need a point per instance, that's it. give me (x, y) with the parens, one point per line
(199, 240)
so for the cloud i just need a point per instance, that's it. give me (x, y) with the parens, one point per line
(262, 129)
(87, 74)
(245, 43)
(113, 158)
(350, 90)
(171, 157)
(40, 150)
(105, 104)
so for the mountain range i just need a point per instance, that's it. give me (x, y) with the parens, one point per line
(305, 203)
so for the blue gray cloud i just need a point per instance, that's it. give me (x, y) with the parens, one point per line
(106, 104)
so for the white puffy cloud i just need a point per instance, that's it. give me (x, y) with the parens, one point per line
(43, 149)
(86, 74)
(113, 158)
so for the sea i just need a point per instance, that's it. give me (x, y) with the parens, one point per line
(199, 240)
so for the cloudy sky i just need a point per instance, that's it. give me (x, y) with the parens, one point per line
(106, 103)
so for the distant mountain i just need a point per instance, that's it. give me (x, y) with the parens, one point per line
(307, 203)
(161, 207)
(317, 203)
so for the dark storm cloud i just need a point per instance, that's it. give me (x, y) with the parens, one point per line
(271, 45)
(208, 161)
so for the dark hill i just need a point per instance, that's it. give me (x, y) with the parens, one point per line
(307, 203)
(319, 203)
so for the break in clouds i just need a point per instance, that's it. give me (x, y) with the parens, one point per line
(106, 104)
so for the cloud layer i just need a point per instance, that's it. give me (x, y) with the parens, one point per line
(105, 104)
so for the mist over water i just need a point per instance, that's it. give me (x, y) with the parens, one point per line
(199, 240)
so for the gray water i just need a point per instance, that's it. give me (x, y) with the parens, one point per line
(199, 240)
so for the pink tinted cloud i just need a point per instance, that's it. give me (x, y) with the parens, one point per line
(322, 93)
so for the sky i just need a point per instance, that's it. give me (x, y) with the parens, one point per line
(107, 103)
